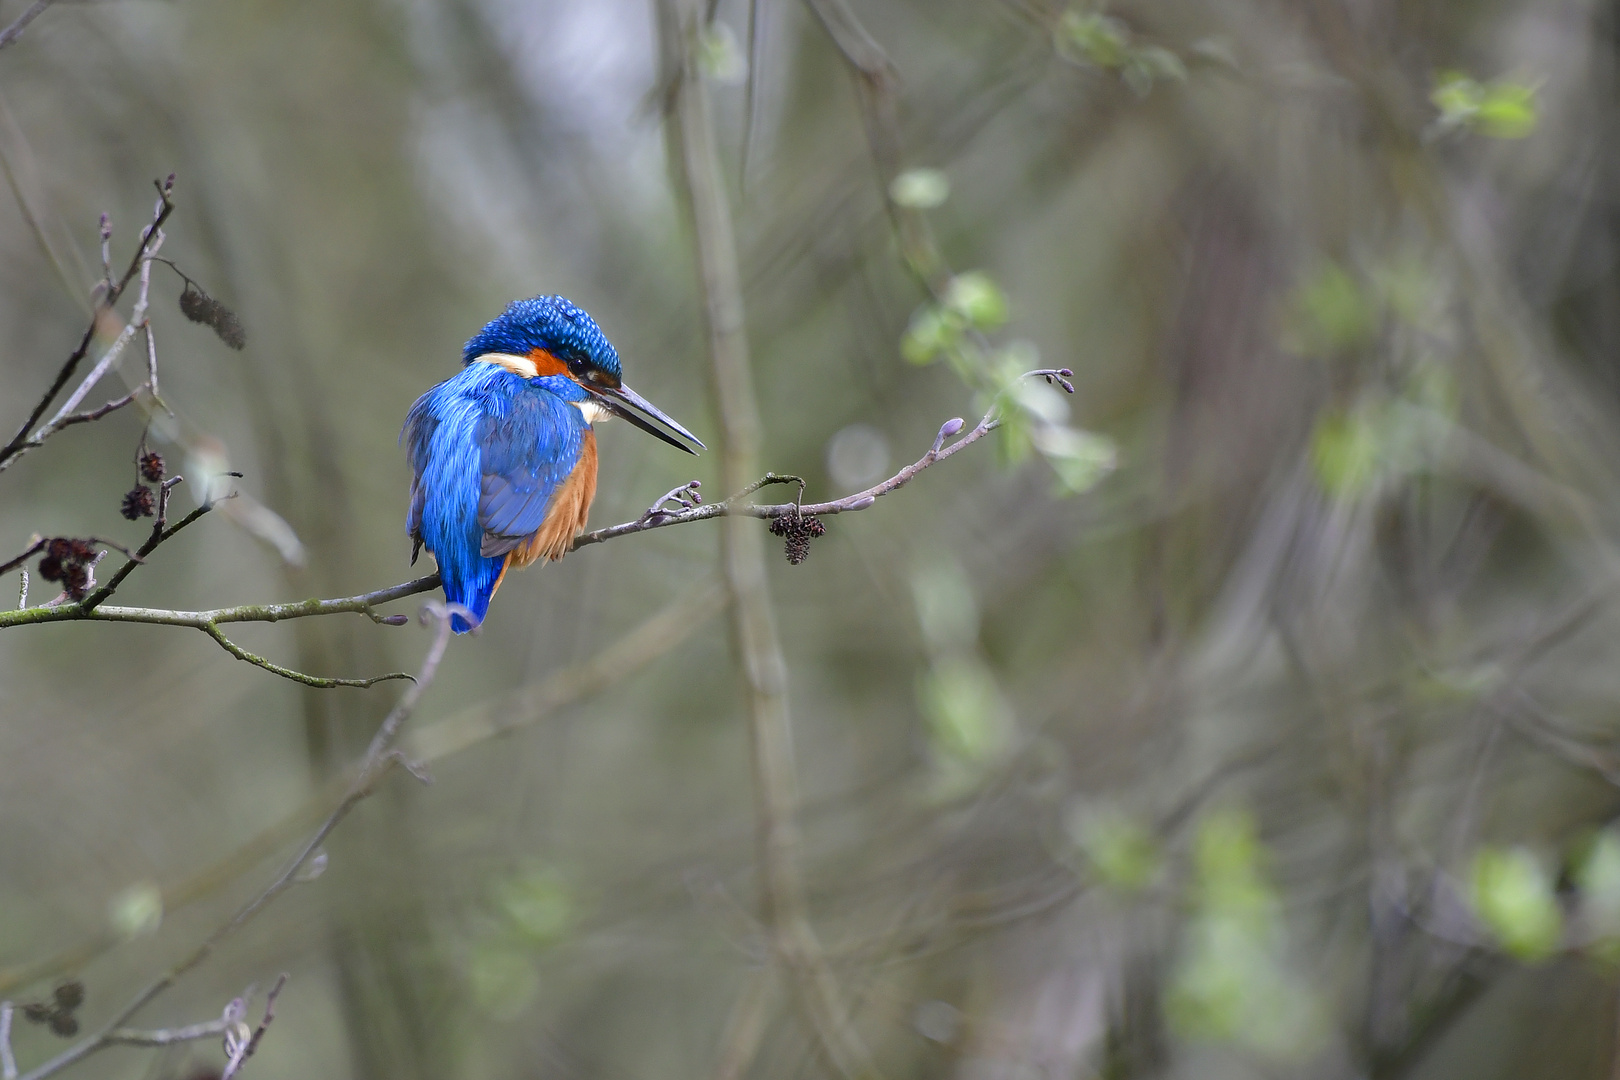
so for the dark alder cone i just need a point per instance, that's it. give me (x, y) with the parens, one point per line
(797, 548)
(70, 995)
(81, 550)
(64, 1025)
(152, 467)
(37, 1012)
(60, 548)
(797, 530)
(76, 580)
(199, 307)
(196, 305)
(229, 329)
(50, 568)
(138, 502)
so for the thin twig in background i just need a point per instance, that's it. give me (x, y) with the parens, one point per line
(26, 438)
(762, 666)
(8, 1060)
(657, 636)
(93, 609)
(151, 241)
(244, 1048)
(169, 1036)
(374, 764)
(14, 31)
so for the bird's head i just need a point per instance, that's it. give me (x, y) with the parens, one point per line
(548, 337)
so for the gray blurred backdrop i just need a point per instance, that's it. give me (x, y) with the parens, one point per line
(1287, 749)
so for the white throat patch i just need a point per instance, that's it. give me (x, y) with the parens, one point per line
(524, 368)
(593, 411)
(520, 366)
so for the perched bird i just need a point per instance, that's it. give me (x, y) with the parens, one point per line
(503, 452)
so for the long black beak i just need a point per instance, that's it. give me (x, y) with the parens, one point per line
(621, 399)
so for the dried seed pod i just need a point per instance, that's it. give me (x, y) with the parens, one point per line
(199, 307)
(70, 995)
(139, 502)
(76, 580)
(798, 530)
(196, 305)
(797, 548)
(151, 466)
(64, 1025)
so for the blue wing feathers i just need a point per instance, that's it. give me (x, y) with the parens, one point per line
(489, 450)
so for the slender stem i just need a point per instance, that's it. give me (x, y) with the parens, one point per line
(14, 31)
(655, 637)
(763, 666)
(22, 441)
(8, 1060)
(92, 609)
(168, 1036)
(376, 762)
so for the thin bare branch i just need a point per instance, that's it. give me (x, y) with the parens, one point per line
(150, 242)
(168, 1036)
(26, 439)
(93, 609)
(8, 1060)
(14, 31)
(371, 768)
(244, 1050)
(763, 668)
(655, 637)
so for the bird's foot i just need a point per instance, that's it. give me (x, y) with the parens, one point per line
(675, 501)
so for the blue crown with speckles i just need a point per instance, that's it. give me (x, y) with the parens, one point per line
(545, 322)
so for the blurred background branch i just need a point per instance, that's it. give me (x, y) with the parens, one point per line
(762, 668)
(1248, 712)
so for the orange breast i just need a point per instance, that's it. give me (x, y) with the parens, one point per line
(565, 517)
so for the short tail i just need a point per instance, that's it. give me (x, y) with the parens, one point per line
(474, 590)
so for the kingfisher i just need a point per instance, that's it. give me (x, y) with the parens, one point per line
(504, 452)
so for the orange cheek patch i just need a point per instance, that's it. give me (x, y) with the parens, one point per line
(546, 364)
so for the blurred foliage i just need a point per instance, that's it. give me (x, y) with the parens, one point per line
(1224, 718)
(1513, 896)
(1502, 110)
(1231, 981)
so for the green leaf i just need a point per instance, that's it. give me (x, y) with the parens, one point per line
(976, 297)
(1331, 312)
(719, 57)
(1122, 850)
(946, 609)
(920, 189)
(1091, 38)
(537, 905)
(967, 717)
(1149, 64)
(1346, 450)
(1230, 981)
(1513, 897)
(1501, 110)
(1599, 880)
(1457, 97)
(502, 979)
(136, 911)
(1228, 854)
(1044, 403)
(1507, 111)
(1015, 438)
(931, 332)
(1080, 458)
